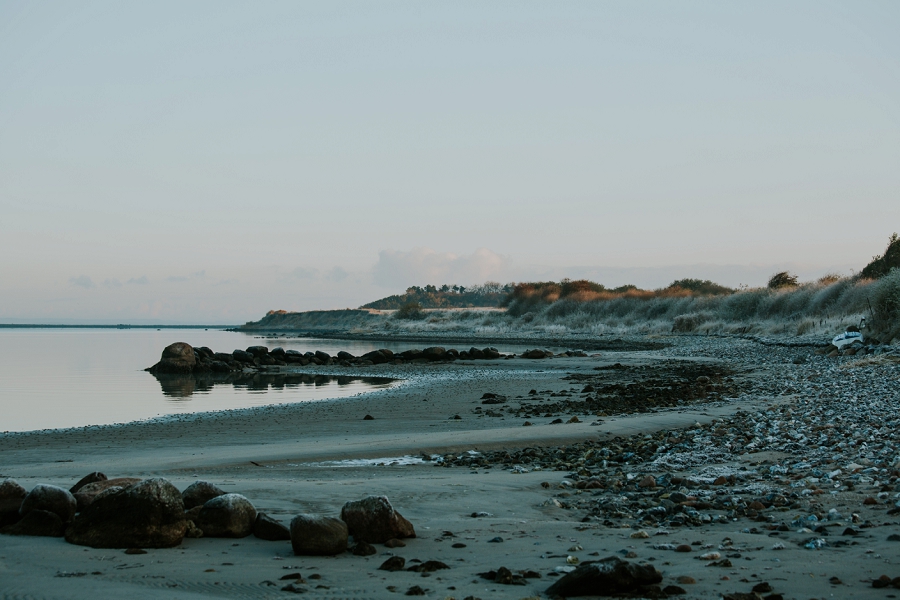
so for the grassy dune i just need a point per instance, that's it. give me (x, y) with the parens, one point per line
(819, 309)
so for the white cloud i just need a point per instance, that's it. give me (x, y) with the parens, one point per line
(422, 266)
(82, 281)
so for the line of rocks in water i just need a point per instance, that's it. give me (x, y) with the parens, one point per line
(182, 358)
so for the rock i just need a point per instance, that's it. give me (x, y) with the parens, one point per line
(89, 492)
(674, 590)
(242, 356)
(176, 358)
(429, 566)
(258, 351)
(394, 563)
(313, 535)
(434, 353)
(89, 478)
(535, 354)
(394, 543)
(415, 591)
(683, 548)
(278, 353)
(229, 515)
(147, 514)
(11, 496)
(364, 549)
(37, 522)
(345, 355)
(686, 580)
(192, 531)
(323, 356)
(368, 418)
(199, 493)
(267, 528)
(647, 482)
(374, 520)
(50, 498)
(605, 578)
(376, 357)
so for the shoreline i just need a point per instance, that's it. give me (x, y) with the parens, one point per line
(271, 455)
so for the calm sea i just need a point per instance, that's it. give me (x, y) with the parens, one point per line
(52, 378)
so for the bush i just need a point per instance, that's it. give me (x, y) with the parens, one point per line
(886, 308)
(411, 311)
(703, 287)
(782, 280)
(882, 265)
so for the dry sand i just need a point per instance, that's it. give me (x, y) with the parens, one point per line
(283, 459)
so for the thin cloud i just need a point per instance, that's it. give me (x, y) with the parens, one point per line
(426, 266)
(82, 281)
(138, 281)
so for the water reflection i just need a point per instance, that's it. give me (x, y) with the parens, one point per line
(184, 386)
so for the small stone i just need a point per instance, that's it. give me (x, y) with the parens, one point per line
(527, 424)
(415, 591)
(720, 480)
(364, 549)
(135, 551)
(640, 535)
(429, 566)
(394, 563)
(674, 590)
(683, 548)
(647, 482)
(686, 580)
(573, 420)
(458, 545)
(495, 540)
(368, 418)
(870, 501)
(763, 587)
(395, 543)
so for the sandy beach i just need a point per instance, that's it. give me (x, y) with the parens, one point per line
(314, 457)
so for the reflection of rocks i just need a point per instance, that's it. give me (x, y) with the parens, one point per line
(183, 386)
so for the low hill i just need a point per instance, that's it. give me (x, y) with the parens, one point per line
(489, 295)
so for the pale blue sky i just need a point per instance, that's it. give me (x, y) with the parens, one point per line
(208, 161)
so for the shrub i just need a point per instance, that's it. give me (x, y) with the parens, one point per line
(411, 311)
(689, 322)
(782, 280)
(886, 308)
(882, 265)
(703, 287)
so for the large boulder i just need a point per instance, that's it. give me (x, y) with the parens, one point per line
(37, 522)
(434, 353)
(52, 499)
(89, 492)
(374, 520)
(199, 493)
(231, 515)
(147, 514)
(312, 535)
(176, 358)
(89, 478)
(267, 528)
(607, 577)
(376, 357)
(11, 496)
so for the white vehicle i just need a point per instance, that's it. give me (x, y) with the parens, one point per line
(848, 337)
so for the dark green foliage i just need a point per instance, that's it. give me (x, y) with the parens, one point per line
(700, 287)
(570, 288)
(410, 311)
(490, 294)
(782, 280)
(882, 265)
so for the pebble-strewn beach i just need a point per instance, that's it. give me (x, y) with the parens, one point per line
(733, 467)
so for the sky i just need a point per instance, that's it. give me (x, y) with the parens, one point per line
(205, 162)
